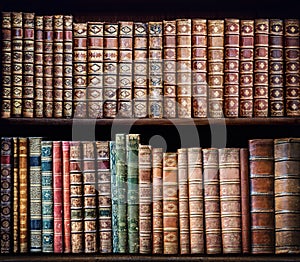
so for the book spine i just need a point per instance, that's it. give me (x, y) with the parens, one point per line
(57, 197)
(199, 67)
(28, 64)
(276, 78)
(47, 196)
(145, 199)
(6, 193)
(169, 67)
(230, 199)
(184, 67)
(286, 195)
(183, 201)
(195, 183)
(104, 184)
(155, 69)
(261, 70)
(124, 96)
(213, 236)
(246, 68)
(140, 70)
(132, 153)
(79, 69)
(231, 67)
(16, 197)
(215, 49)
(291, 49)
(35, 206)
(110, 69)
(68, 66)
(95, 70)
(261, 168)
(157, 200)
(6, 34)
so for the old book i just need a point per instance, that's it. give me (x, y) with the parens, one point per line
(157, 199)
(261, 168)
(215, 49)
(95, 70)
(276, 68)
(145, 199)
(199, 67)
(231, 67)
(184, 67)
(211, 187)
(155, 69)
(35, 184)
(79, 70)
(16, 196)
(261, 70)
(6, 192)
(286, 195)
(140, 69)
(291, 50)
(169, 69)
(230, 199)
(47, 197)
(246, 68)
(124, 96)
(110, 69)
(6, 41)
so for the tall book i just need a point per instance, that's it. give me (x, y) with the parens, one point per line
(261, 68)
(35, 184)
(184, 67)
(230, 199)
(291, 50)
(215, 53)
(231, 67)
(261, 168)
(199, 67)
(286, 195)
(16, 196)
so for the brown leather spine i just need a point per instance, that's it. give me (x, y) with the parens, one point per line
(16, 196)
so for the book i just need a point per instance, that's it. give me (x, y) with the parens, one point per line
(286, 195)
(16, 196)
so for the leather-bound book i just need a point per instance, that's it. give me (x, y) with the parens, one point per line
(6, 41)
(79, 70)
(155, 72)
(6, 192)
(246, 67)
(95, 70)
(140, 70)
(212, 217)
(89, 197)
(287, 195)
(291, 50)
(17, 64)
(261, 68)
(184, 67)
(261, 168)
(231, 67)
(35, 186)
(230, 199)
(183, 201)
(169, 56)
(124, 96)
(104, 196)
(145, 199)
(199, 67)
(215, 49)
(110, 69)
(196, 202)
(276, 68)
(157, 199)
(170, 204)
(16, 196)
(68, 67)
(39, 66)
